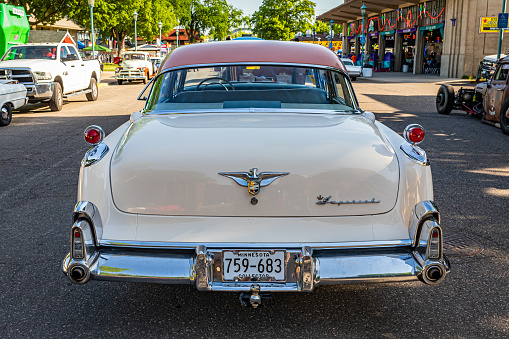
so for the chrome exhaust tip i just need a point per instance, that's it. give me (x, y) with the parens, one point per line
(79, 274)
(433, 274)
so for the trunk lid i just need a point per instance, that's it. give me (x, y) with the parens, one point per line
(170, 165)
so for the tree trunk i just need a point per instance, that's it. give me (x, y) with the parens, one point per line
(119, 38)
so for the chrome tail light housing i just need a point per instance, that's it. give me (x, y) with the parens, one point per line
(414, 134)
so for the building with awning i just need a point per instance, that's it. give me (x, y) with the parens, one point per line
(438, 37)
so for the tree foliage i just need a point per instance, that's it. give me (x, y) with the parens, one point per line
(281, 19)
(115, 17)
(44, 11)
(323, 27)
(216, 16)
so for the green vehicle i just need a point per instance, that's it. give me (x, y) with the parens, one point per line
(14, 27)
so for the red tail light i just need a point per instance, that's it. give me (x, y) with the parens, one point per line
(414, 134)
(94, 135)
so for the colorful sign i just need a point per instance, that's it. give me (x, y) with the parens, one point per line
(489, 24)
(335, 44)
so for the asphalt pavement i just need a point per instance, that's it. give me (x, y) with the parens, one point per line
(40, 161)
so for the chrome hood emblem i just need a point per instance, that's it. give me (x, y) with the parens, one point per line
(252, 180)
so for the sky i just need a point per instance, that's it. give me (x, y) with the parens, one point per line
(250, 6)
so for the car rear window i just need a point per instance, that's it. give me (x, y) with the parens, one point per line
(251, 86)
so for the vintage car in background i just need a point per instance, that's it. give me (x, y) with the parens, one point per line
(252, 168)
(134, 66)
(489, 100)
(12, 96)
(51, 72)
(487, 67)
(353, 71)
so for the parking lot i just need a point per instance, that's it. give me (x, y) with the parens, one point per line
(40, 163)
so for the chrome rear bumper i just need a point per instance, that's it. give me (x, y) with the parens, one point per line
(307, 265)
(306, 269)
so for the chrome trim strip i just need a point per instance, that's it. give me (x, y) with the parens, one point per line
(248, 63)
(422, 211)
(87, 210)
(94, 154)
(415, 153)
(345, 73)
(315, 246)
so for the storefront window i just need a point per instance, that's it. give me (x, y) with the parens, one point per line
(433, 50)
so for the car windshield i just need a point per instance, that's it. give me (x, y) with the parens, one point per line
(240, 86)
(347, 62)
(30, 52)
(134, 57)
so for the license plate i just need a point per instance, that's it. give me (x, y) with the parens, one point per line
(243, 265)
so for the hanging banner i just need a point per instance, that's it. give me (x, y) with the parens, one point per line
(489, 24)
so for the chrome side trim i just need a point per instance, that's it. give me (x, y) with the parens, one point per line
(415, 153)
(95, 154)
(422, 211)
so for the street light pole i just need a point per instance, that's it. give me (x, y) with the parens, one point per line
(331, 33)
(160, 24)
(91, 6)
(363, 12)
(314, 32)
(177, 37)
(501, 33)
(135, 16)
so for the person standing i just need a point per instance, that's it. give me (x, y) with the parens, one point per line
(354, 59)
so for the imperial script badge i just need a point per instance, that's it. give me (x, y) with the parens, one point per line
(252, 180)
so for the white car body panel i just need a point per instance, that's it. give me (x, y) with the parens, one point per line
(121, 226)
(14, 94)
(197, 189)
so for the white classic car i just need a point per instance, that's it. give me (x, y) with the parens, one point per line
(252, 168)
(135, 66)
(51, 72)
(353, 71)
(12, 96)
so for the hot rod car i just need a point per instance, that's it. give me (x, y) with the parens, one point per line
(489, 100)
(252, 168)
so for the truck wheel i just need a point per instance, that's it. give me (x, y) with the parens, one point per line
(445, 99)
(353, 78)
(57, 99)
(504, 121)
(5, 115)
(119, 81)
(92, 96)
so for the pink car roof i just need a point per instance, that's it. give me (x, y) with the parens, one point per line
(253, 51)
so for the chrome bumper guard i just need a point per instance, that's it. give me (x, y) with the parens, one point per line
(306, 267)
(38, 92)
(130, 77)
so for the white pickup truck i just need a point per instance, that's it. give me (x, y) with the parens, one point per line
(51, 72)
